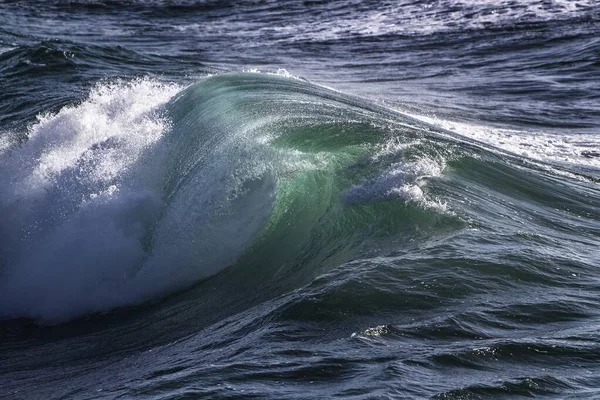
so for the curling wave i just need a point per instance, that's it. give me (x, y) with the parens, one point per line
(145, 188)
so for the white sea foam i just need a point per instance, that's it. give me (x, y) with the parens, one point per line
(402, 180)
(393, 146)
(576, 149)
(75, 206)
(403, 18)
(7, 141)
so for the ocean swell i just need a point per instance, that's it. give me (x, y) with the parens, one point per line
(145, 188)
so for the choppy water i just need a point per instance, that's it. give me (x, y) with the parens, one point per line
(300, 200)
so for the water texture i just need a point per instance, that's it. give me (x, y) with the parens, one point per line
(299, 200)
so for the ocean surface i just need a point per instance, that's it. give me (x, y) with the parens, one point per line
(300, 200)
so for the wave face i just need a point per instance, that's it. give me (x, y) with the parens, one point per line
(143, 188)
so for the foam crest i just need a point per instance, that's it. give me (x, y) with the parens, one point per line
(100, 138)
(402, 180)
(77, 200)
(575, 150)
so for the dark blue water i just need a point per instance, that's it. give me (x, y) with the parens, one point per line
(302, 200)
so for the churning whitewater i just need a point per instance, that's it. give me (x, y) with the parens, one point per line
(79, 197)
